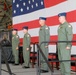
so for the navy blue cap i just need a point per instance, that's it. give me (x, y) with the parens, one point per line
(62, 14)
(42, 18)
(14, 30)
(25, 27)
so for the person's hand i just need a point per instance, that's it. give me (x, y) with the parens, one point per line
(67, 48)
(27, 49)
(46, 46)
(16, 48)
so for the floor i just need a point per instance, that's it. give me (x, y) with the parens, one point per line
(18, 70)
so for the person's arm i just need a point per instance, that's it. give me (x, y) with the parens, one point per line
(47, 35)
(17, 41)
(28, 41)
(69, 35)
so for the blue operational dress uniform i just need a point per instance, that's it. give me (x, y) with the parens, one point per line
(64, 34)
(15, 44)
(44, 35)
(26, 44)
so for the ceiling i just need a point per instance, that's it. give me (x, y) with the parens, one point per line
(5, 13)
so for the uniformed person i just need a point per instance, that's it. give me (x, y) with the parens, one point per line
(44, 35)
(26, 47)
(15, 46)
(64, 49)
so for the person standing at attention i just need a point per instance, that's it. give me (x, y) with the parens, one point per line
(65, 33)
(44, 35)
(15, 46)
(26, 47)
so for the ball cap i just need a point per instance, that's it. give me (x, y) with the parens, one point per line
(25, 27)
(42, 18)
(62, 14)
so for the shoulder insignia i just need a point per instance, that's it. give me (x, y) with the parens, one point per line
(17, 36)
(46, 28)
(28, 35)
(69, 25)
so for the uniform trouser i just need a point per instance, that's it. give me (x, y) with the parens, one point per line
(26, 57)
(44, 65)
(16, 56)
(64, 54)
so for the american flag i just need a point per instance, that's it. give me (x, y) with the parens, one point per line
(27, 13)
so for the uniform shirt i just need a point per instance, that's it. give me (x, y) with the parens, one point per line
(15, 41)
(65, 33)
(26, 41)
(44, 34)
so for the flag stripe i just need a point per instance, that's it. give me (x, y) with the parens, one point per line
(52, 11)
(49, 3)
(51, 21)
